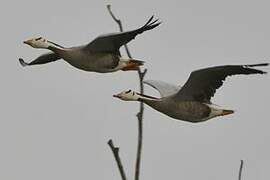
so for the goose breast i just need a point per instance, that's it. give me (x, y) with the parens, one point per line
(191, 111)
(88, 61)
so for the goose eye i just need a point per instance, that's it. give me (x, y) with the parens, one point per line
(38, 38)
(128, 91)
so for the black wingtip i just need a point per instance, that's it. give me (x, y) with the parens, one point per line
(22, 62)
(151, 24)
(256, 70)
(254, 65)
(150, 19)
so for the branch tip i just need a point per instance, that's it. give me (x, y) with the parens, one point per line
(240, 170)
(110, 142)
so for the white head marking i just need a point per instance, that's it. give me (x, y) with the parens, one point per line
(134, 96)
(128, 95)
(37, 43)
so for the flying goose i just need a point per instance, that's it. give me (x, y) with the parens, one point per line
(101, 55)
(192, 101)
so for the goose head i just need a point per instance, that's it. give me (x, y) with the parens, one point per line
(39, 42)
(128, 95)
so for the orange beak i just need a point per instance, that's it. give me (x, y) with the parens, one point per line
(27, 42)
(116, 96)
(226, 112)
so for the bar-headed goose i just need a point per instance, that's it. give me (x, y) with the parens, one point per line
(101, 55)
(192, 101)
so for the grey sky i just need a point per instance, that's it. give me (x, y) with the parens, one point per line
(56, 120)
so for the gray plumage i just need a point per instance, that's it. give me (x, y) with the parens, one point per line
(43, 59)
(191, 111)
(192, 102)
(202, 84)
(164, 88)
(101, 55)
(112, 42)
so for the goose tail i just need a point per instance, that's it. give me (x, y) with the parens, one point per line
(133, 65)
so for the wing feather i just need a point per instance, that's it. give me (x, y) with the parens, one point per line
(112, 42)
(164, 89)
(43, 59)
(202, 84)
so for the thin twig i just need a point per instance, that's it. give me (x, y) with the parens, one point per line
(141, 75)
(240, 170)
(118, 21)
(140, 127)
(115, 151)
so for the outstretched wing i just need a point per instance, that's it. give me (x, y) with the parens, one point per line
(164, 89)
(43, 59)
(112, 42)
(202, 84)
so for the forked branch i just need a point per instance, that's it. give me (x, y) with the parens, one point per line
(115, 151)
(118, 21)
(141, 75)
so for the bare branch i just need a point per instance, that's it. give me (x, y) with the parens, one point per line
(113, 16)
(118, 21)
(141, 75)
(115, 151)
(140, 127)
(240, 170)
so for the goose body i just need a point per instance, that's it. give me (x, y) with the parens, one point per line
(192, 101)
(192, 111)
(101, 62)
(101, 55)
